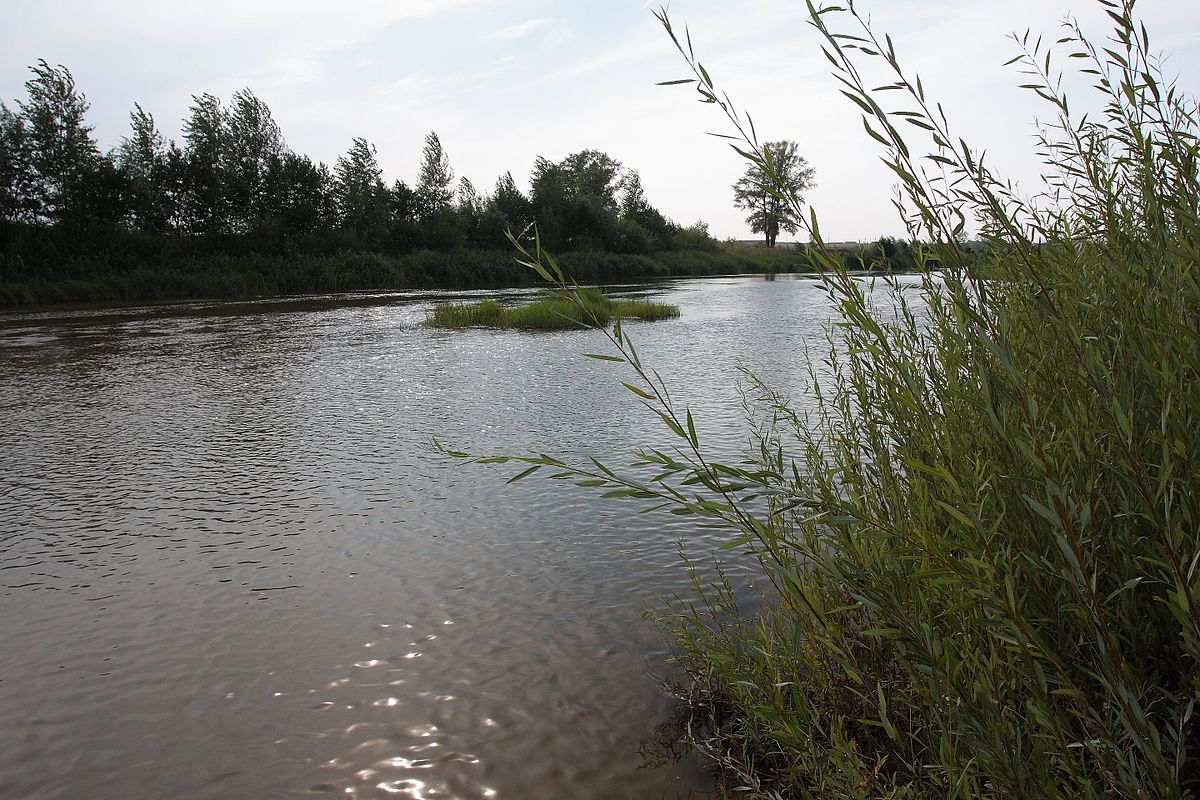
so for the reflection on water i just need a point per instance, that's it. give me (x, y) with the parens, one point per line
(229, 569)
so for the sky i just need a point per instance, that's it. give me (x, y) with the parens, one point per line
(505, 81)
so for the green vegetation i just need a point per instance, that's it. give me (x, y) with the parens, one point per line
(557, 310)
(978, 537)
(232, 277)
(225, 211)
(771, 198)
(232, 212)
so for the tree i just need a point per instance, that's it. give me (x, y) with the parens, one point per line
(575, 200)
(770, 186)
(301, 199)
(593, 175)
(142, 158)
(17, 184)
(62, 153)
(636, 210)
(362, 197)
(434, 187)
(511, 203)
(206, 133)
(469, 210)
(254, 149)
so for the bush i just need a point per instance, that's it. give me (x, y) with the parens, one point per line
(982, 536)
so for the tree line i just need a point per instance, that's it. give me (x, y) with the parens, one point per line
(232, 186)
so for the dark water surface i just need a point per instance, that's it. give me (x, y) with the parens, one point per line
(228, 568)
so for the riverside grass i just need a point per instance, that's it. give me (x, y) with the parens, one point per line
(222, 276)
(558, 310)
(980, 529)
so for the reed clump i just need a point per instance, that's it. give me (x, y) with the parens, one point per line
(979, 533)
(558, 310)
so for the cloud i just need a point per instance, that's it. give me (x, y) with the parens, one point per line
(517, 31)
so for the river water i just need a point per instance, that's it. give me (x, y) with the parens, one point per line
(230, 568)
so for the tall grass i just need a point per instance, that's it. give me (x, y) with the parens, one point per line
(560, 310)
(256, 276)
(982, 529)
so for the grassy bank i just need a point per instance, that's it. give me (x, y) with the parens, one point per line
(554, 311)
(978, 539)
(253, 276)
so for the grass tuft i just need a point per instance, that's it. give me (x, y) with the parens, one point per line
(587, 308)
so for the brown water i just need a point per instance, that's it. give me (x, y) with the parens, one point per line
(229, 569)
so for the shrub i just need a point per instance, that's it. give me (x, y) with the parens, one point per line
(982, 535)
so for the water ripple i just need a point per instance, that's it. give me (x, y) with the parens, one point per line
(228, 569)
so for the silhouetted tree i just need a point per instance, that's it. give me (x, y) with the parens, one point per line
(254, 148)
(436, 178)
(766, 189)
(205, 207)
(637, 211)
(144, 161)
(362, 198)
(62, 153)
(302, 199)
(18, 201)
(575, 200)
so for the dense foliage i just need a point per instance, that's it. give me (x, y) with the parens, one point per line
(981, 529)
(233, 189)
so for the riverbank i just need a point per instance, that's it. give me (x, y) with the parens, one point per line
(237, 277)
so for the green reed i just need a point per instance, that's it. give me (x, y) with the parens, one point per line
(982, 530)
(558, 310)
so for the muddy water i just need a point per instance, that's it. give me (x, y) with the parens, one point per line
(230, 569)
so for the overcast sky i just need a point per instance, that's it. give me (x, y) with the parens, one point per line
(503, 81)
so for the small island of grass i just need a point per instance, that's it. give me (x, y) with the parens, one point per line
(553, 311)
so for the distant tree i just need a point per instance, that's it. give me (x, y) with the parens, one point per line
(206, 202)
(62, 153)
(405, 206)
(636, 209)
(469, 209)
(511, 203)
(18, 202)
(254, 148)
(507, 209)
(301, 200)
(434, 186)
(593, 175)
(362, 198)
(575, 201)
(765, 189)
(694, 237)
(144, 161)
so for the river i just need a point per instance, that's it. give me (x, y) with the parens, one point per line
(231, 568)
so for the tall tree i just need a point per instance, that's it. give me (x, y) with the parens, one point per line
(206, 207)
(301, 200)
(636, 210)
(62, 153)
(575, 201)
(511, 202)
(142, 158)
(254, 149)
(593, 175)
(770, 190)
(434, 186)
(362, 197)
(18, 202)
